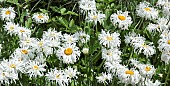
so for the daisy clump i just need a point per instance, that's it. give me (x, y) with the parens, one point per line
(160, 26)
(140, 44)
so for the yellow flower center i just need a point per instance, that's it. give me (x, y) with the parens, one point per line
(68, 51)
(20, 59)
(109, 38)
(129, 72)
(168, 41)
(121, 17)
(40, 16)
(147, 9)
(11, 27)
(24, 51)
(58, 76)
(145, 46)
(3, 74)
(147, 68)
(22, 31)
(40, 44)
(109, 53)
(28, 41)
(94, 17)
(167, 4)
(35, 67)
(8, 12)
(13, 66)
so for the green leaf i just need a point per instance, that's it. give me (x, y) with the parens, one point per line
(62, 11)
(22, 16)
(55, 9)
(71, 13)
(43, 10)
(63, 21)
(14, 2)
(71, 23)
(28, 23)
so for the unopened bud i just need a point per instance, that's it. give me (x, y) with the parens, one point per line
(85, 51)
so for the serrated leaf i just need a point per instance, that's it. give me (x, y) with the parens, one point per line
(63, 21)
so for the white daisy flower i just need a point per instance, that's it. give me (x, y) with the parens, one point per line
(146, 70)
(7, 13)
(34, 68)
(104, 77)
(164, 43)
(128, 76)
(135, 62)
(165, 57)
(53, 37)
(12, 66)
(68, 53)
(87, 5)
(121, 19)
(153, 27)
(148, 82)
(113, 66)
(4, 77)
(12, 28)
(24, 52)
(40, 17)
(95, 17)
(27, 42)
(13, 77)
(82, 36)
(43, 46)
(52, 34)
(161, 2)
(72, 73)
(166, 9)
(57, 76)
(144, 10)
(132, 38)
(111, 54)
(69, 38)
(165, 34)
(40, 58)
(110, 40)
(146, 49)
(162, 24)
(23, 32)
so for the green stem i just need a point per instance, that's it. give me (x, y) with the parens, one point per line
(35, 5)
(137, 24)
(48, 4)
(167, 77)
